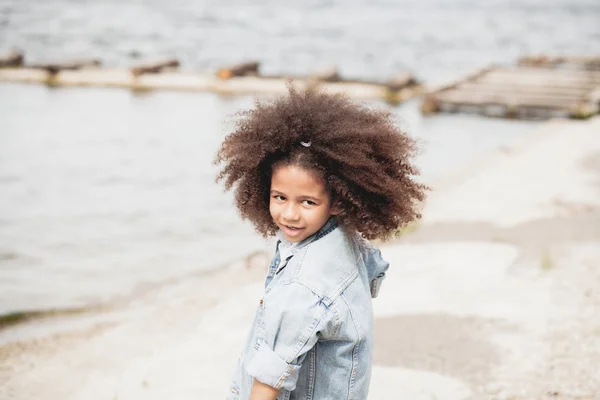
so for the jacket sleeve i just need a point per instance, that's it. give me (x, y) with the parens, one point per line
(293, 319)
(376, 265)
(377, 268)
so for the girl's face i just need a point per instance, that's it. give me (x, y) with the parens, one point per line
(300, 203)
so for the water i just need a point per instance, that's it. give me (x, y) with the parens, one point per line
(105, 191)
(436, 39)
(102, 190)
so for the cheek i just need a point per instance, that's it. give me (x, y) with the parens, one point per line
(272, 209)
(321, 215)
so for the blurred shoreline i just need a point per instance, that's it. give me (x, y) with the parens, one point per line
(16, 321)
(125, 268)
(504, 263)
(94, 207)
(104, 191)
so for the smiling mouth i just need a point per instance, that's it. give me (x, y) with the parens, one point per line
(292, 228)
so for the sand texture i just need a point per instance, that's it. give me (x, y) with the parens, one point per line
(495, 295)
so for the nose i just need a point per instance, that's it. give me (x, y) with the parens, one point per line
(290, 212)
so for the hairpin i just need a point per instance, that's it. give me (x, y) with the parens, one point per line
(305, 144)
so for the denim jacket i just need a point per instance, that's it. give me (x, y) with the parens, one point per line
(312, 335)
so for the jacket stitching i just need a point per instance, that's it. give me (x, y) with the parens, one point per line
(354, 351)
(312, 373)
(347, 282)
(283, 377)
(307, 334)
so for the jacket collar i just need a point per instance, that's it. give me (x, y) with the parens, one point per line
(325, 230)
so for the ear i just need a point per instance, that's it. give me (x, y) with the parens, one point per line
(335, 210)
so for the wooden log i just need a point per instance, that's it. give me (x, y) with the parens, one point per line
(545, 71)
(431, 103)
(521, 90)
(507, 98)
(489, 104)
(536, 61)
(539, 80)
(584, 78)
(191, 81)
(244, 69)
(588, 63)
(458, 94)
(54, 68)
(497, 109)
(455, 96)
(452, 84)
(400, 81)
(154, 67)
(503, 87)
(564, 74)
(404, 94)
(23, 75)
(330, 74)
(11, 59)
(579, 59)
(358, 90)
(505, 111)
(522, 111)
(574, 86)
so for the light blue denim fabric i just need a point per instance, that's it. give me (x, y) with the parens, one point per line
(312, 335)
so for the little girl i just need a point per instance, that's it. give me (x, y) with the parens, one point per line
(322, 174)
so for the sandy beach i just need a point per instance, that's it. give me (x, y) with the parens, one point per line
(495, 295)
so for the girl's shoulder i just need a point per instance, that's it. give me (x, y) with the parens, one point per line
(329, 264)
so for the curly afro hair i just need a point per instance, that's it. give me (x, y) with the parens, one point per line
(363, 158)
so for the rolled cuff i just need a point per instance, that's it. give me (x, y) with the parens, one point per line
(267, 367)
(376, 284)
